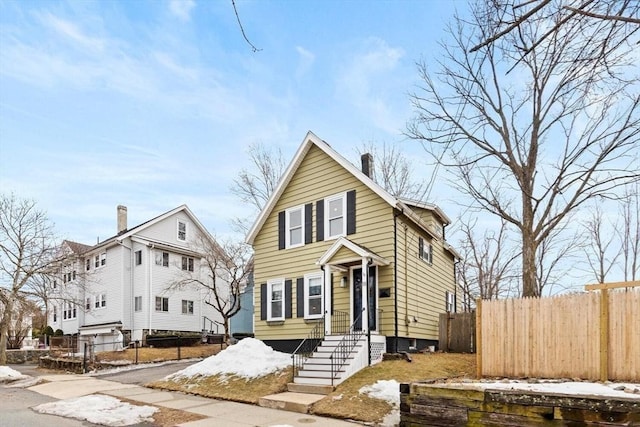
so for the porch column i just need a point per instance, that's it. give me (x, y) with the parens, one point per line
(365, 295)
(327, 299)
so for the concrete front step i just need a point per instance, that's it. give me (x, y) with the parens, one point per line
(307, 373)
(310, 388)
(290, 401)
(314, 381)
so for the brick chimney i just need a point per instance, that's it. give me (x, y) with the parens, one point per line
(122, 219)
(367, 164)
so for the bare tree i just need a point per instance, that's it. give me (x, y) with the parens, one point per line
(555, 16)
(393, 171)
(488, 266)
(256, 184)
(629, 233)
(533, 146)
(27, 248)
(599, 252)
(224, 275)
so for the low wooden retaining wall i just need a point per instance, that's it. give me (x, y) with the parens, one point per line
(442, 405)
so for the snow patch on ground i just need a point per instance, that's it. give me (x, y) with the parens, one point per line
(388, 390)
(99, 409)
(249, 358)
(624, 390)
(8, 374)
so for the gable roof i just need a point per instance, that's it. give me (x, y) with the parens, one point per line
(77, 248)
(310, 140)
(132, 231)
(357, 249)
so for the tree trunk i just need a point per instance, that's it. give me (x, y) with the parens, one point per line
(226, 330)
(529, 247)
(4, 329)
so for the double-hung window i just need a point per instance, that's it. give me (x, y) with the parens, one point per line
(162, 304)
(97, 261)
(162, 258)
(103, 259)
(451, 302)
(101, 301)
(425, 250)
(182, 231)
(187, 263)
(138, 257)
(87, 304)
(294, 226)
(335, 219)
(313, 300)
(88, 265)
(275, 302)
(137, 303)
(187, 307)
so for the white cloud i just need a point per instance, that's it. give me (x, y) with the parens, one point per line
(305, 61)
(71, 31)
(368, 82)
(182, 9)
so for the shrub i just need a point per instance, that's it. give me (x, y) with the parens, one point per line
(48, 331)
(58, 333)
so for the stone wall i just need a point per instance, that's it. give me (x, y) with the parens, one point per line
(32, 357)
(443, 405)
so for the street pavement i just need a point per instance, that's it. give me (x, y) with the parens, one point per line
(218, 413)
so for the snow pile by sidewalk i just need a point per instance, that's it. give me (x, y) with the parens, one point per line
(99, 409)
(576, 388)
(7, 374)
(390, 392)
(249, 358)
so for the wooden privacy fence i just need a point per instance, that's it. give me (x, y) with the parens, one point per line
(457, 332)
(593, 336)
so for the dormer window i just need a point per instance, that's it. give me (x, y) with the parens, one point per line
(182, 231)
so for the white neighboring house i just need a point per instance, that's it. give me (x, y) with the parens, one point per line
(128, 282)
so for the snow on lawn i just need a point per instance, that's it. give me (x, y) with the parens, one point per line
(99, 409)
(249, 358)
(8, 374)
(390, 392)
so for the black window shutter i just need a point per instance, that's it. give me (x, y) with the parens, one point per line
(351, 212)
(420, 247)
(308, 223)
(281, 222)
(263, 301)
(319, 220)
(287, 299)
(300, 297)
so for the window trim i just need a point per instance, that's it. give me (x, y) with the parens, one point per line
(327, 216)
(187, 312)
(137, 307)
(287, 227)
(160, 257)
(103, 259)
(186, 230)
(162, 305)
(100, 301)
(138, 257)
(450, 302)
(188, 263)
(307, 279)
(270, 284)
(88, 304)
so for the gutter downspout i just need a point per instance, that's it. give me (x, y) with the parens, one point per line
(149, 286)
(132, 307)
(396, 213)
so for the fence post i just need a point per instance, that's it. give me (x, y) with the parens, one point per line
(604, 334)
(178, 347)
(135, 344)
(479, 338)
(84, 358)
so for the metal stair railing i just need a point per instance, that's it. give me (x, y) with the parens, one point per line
(308, 345)
(345, 347)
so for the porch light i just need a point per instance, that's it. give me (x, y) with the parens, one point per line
(343, 282)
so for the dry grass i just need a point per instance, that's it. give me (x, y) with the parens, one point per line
(146, 354)
(229, 387)
(347, 402)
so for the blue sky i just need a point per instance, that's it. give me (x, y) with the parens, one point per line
(152, 104)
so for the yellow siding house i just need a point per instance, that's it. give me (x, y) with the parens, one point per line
(339, 258)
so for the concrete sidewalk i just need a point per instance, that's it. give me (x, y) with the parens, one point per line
(219, 413)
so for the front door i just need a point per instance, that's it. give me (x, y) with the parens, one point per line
(371, 297)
